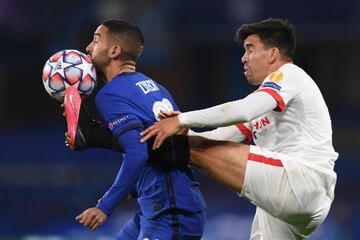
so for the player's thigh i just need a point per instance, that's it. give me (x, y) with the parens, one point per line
(182, 226)
(314, 195)
(191, 224)
(287, 190)
(265, 183)
(224, 161)
(131, 229)
(265, 227)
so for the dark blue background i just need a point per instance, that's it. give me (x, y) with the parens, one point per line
(189, 48)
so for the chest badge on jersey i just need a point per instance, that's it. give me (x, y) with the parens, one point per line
(161, 106)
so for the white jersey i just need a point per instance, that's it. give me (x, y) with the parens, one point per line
(300, 126)
(291, 170)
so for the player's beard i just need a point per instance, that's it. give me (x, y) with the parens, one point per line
(100, 63)
(99, 72)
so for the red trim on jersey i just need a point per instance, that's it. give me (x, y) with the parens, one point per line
(246, 131)
(276, 96)
(266, 160)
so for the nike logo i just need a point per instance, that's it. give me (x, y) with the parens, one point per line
(71, 100)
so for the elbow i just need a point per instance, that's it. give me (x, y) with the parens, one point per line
(143, 155)
(240, 118)
(247, 117)
(250, 115)
(137, 157)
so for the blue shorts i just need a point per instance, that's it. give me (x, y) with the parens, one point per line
(190, 227)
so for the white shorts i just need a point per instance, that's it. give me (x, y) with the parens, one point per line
(292, 199)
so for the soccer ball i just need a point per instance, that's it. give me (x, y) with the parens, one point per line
(68, 68)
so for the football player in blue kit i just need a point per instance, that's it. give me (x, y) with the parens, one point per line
(171, 204)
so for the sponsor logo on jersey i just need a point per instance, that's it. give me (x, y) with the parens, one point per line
(271, 85)
(259, 127)
(276, 76)
(147, 86)
(117, 121)
(261, 123)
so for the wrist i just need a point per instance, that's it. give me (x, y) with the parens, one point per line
(182, 120)
(103, 208)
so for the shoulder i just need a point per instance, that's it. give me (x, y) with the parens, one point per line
(145, 85)
(293, 71)
(287, 74)
(119, 86)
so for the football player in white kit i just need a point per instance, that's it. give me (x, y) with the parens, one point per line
(289, 173)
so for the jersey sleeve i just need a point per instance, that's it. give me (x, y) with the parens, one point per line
(279, 85)
(117, 113)
(133, 163)
(232, 133)
(230, 113)
(126, 126)
(246, 130)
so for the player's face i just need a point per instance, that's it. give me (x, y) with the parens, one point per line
(98, 48)
(256, 60)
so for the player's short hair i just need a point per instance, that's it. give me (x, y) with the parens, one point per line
(130, 36)
(273, 32)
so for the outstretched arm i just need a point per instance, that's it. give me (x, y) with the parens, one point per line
(230, 133)
(244, 110)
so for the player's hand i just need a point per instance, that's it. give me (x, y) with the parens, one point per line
(162, 129)
(67, 141)
(92, 218)
(67, 138)
(163, 115)
(183, 131)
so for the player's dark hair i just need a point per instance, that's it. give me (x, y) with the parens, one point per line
(130, 36)
(273, 32)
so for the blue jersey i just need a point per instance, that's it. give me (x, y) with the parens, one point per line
(128, 104)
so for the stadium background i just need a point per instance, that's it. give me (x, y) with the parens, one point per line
(189, 48)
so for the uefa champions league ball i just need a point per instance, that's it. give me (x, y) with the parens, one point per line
(68, 68)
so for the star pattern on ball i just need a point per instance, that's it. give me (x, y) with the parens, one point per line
(86, 67)
(58, 67)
